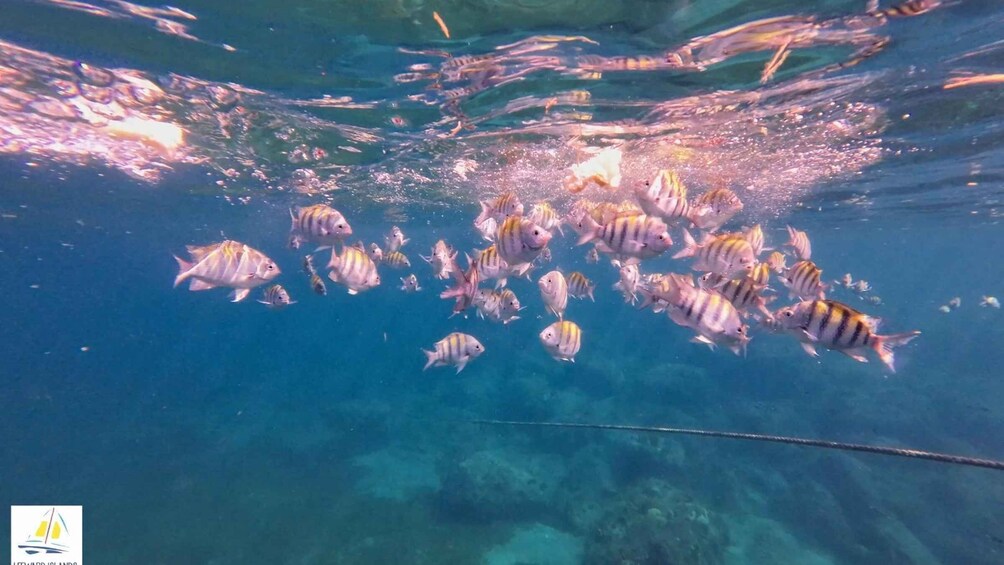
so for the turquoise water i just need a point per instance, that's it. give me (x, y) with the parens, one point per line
(194, 430)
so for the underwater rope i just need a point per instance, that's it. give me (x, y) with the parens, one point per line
(879, 449)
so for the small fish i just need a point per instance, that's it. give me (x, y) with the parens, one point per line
(955, 302)
(229, 264)
(554, 291)
(835, 325)
(628, 283)
(761, 275)
(861, 286)
(714, 208)
(875, 299)
(490, 265)
(846, 281)
(276, 297)
(394, 240)
(520, 241)
(410, 283)
(990, 301)
(317, 283)
(708, 313)
(375, 253)
(456, 349)
(396, 260)
(726, 254)
(501, 209)
(633, 236)
(803, 281)
(580, 287)
(465, 289)
(544, 216)
(562, 340)
(489, 304)
(509, 306)
(944, 309)
(545, 256)
(488, 228)
(799, 241)
(319, 223)
(665, 197)
(354, 269)
(777, 262)
(593, 256)
(308, 265)
(754, 235)
(441, 259)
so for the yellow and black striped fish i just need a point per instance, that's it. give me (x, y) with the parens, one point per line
(725, 254)
(804, 281)
(665, 197)
(456, 349)
(505, 206)
(396, 260)
(276, 297)
(580, 287)
(799, 241)
(520, 241)
(319, 223)
(317, 284)
(562, 340)
(835, 325)
(714, 208)
(354, 269)
(629, 235)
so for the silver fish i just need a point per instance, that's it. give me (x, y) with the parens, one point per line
(803, 280)
(520, 241)
(276, 297)
(456, 349)
(665, 197)
(394, 240)
(545, 216)
(320, 224)
(509, 306)
(799, 241)
(489, 304)
(229, 264)
(441, 259)
(707, 312)
(554, 291)
(714, 208)
(754, 235)
(630, 276)
(488, 228)
(562, 340)
(505, 206)
(375, 253)
(353, 269)
(628, 235)
(593, 256)
(410, 283)
(726, 255)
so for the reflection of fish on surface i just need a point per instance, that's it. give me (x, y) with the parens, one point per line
(229, 264)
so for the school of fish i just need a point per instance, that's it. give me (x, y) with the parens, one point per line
(731, 290)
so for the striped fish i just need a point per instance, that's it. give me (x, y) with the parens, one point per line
(804, 281)
(520, 241)
(502, 208)
(395, 240)
(799, 241)
(509, 306)
(904, 9)
(665, 197)
(229, 264)
(545, 216)
(456, 349)
(630, 276)
(491, 266)
(707, 312)
(835, 325)
(488, 229)
(580, 287)
(744, 294)
(562, 340)
(354, 269)
(760, 275)
(396, 260)
(317, 284)
(714, 208)
(441, 259)
(754, 235)
(777, 262)
(276, 297)
(554, 292)
(308, 265)
(489, 304)
(638, 236)
(410, 283)
(319, 223)
(726, 255)
(375, 253)
(709, 281)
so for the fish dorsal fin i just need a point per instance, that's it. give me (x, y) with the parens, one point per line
(200, 252)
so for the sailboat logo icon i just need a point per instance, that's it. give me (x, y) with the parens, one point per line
(50, 529)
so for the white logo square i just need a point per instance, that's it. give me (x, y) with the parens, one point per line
(46, 535)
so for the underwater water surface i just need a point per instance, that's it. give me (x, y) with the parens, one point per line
(196, 430)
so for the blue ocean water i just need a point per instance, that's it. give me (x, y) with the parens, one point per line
(195, 430)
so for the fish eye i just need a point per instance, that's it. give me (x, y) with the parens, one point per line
(270, 267)
(788, 314)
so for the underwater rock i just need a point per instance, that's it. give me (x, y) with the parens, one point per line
(537, 543)
(653, 523)
(501, 484)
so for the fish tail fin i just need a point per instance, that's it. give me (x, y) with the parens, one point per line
(884, 345)
(430, 358)
(184, 270)
(486, 210)
(689, 246)
(590, 230)
(647, 297)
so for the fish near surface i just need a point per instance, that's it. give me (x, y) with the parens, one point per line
(707, 312)
(726, 255)
(502, 208)
(714, 208)
(395, 240)
(354, 269)
(554, 292)
(799, 242)
(520, 241)
(630, 236)
(804, 281)
(320, 224)
(544, 215)
(665, 197)
(228, 264)
(456, 349)
(836, 326)
(441, 259)
(562, 340)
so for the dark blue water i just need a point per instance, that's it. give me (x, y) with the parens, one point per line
(194, 430)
